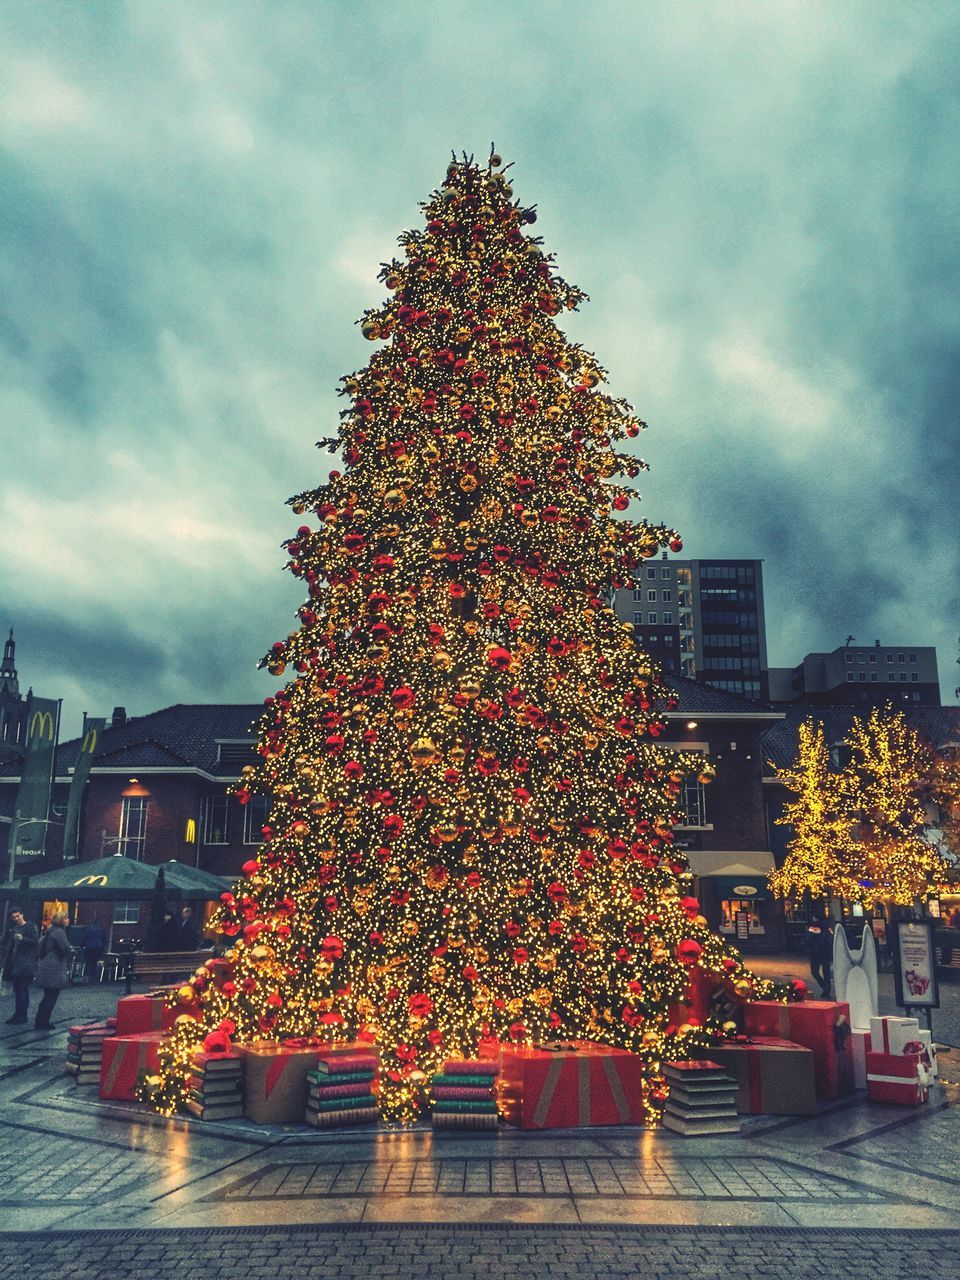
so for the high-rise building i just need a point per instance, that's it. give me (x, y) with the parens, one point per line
(703, 619)
(870, 674)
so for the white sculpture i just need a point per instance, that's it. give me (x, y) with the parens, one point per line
(855, 977)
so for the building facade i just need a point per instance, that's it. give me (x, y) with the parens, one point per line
(703, 619)
(14, 706)
(861, 675)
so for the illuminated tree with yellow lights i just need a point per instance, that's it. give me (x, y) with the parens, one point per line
(859, 831)
(470, 832)
(821, 860)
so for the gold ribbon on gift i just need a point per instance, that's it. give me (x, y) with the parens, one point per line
(555, 1071)
(124, 1048)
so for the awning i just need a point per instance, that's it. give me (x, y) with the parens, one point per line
(738, 874)
(118, 878)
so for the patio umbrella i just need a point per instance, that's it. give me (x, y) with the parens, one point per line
(119, 879)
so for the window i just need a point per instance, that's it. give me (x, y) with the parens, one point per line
(254, 818)
(668, 622)
(651, 573)
(891, 675)
(214, 817)
(665, 573)
(873, 657)
(913, 657)
(637, 619)
(666, 597)
(693, 799)
(889, 657)
(903, 677)
(914, 676)
(861, 657)
(637, 595)
(133, 826)
(652, 619)
(126, 913)
(651, 597)
(850, 677)
(848, 656)
(915, 696)
(901, 657)
(861, 675)
(874, 676)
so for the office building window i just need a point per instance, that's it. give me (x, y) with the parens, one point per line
(665, 573)
(913, 657)
(903, 677)
(637, 619)
(889, 657)
(874, 676)
(133, 826)
(214, 819)
(651, 573)
(666, 597)
(638, 595)
(891, 675)
(651, 597)
(861, 657)
(873, 657)
(668, 622)
(861, 675)
(652, 619)
(693, 799)
(850, 677)
(254, 818)
(848, 656)
(901, 657)
(914, 676)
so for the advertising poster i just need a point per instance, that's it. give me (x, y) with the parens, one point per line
(915, 965)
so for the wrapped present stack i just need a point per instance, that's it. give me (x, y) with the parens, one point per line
(703, 1099)
(899, 1063)
(340, 1091)
(85, 1050)
(822, 1026)
(773, 1077)
(464, 1096)
(216, 1086)
(148, 1012)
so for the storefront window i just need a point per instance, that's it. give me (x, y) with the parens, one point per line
(733, 911)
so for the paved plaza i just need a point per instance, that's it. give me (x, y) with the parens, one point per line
(123, 1192)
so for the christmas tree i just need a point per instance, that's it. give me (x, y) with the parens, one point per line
(470, 832)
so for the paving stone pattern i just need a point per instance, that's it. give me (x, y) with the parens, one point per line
(472, 1253)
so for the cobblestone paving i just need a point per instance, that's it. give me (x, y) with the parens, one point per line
(744, 1179)
(471, 1253)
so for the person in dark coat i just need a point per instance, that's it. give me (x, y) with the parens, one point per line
(820, 947)
(53, 968)
(189, 933)
(168, 935)
(94, 945)
(20, 962)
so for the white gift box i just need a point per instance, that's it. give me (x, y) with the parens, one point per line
(889, 1035)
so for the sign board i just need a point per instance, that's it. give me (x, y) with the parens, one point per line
(915, 965)
(742, 922)
(745, 890)
(879, 927)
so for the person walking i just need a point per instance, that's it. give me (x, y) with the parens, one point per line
(20, 963)
(820, 947)
(53, 968)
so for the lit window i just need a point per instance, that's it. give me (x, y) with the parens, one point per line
(133, 826)
(214, 817)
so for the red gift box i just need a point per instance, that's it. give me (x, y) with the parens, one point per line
(126, 1060)
(145, 1013)
(582, 1084)
(275, 1080)
(822, 1026)
(774, 1077)
(896, 1077)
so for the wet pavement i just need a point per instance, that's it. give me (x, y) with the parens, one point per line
(77, 1169)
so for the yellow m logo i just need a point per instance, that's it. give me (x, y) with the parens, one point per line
(91, 880)
(90, 741)
(41, 725)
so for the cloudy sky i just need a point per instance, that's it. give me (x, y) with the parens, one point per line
(760, 198)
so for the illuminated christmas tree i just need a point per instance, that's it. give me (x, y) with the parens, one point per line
(471, 819)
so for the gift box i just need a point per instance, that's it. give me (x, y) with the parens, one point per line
(126, 1060)
(275, 1079)
(145, 1013)
(774, 1077)
(926, 1039)
(898, 1078)
(578, 1084)
(822, 1026)
(890, 1034)
(859, 1048)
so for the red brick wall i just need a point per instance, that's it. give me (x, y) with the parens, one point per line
(734, 799)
